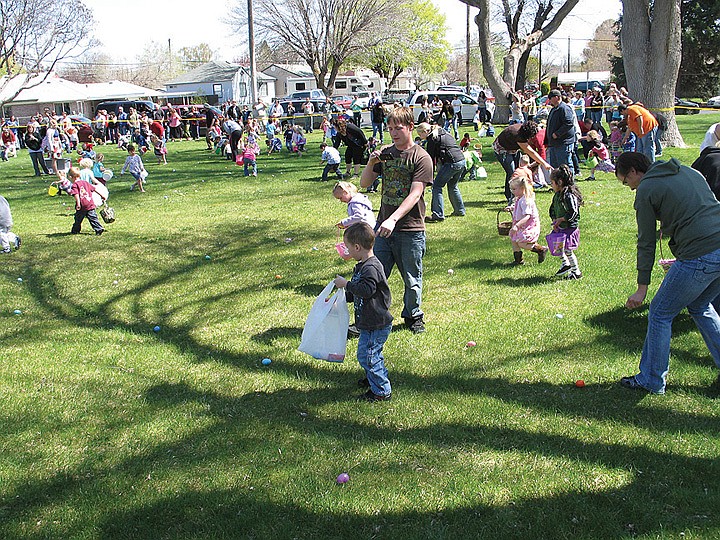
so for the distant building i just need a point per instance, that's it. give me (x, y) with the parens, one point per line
(61, 95)
(218, 82)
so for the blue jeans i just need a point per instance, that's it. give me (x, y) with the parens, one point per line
(448, 174)
(509, 163)
(559, 155)
(596, 115)
(251, 162)
(378, 130)
(334, 167)
(646, 144)
(406, 250)
(38, 161)
(658, 144)
(694, 284)
(371, 359)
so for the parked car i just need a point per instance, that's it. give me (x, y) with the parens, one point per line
(362, 99)
(452, 88)
(584, 86)
(343, 101)
(469, 104)
(139, 105)
(312, 94)
(320, 109)
(683, 106)
(714, 102)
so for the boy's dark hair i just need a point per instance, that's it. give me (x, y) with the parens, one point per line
(565, 178)
(323, 145)
(130, 146)
(631, 160)
(360, 233)
(528, 130)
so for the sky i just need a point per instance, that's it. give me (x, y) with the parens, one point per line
(187, 28)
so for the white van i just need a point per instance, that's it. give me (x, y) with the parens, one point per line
(469, 104)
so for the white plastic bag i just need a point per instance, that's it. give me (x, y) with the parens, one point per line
(325, 334)
(481, 173)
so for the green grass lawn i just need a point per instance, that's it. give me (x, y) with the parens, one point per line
(112, 430)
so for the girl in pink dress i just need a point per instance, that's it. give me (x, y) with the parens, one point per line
(525, 230)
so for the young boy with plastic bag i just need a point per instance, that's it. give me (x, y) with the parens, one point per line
(369, 289)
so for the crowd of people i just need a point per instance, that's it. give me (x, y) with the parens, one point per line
(537, 149)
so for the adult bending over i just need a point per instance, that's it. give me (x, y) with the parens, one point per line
(508, 145)
(449, 163)
(356, 142)
(689, 214)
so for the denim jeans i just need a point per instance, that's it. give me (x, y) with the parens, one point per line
(658, 144)
(249, 162)
(646, 144)
(596, 115)
(694, 284)
(371, 359)
(509, 162)
(448, 174)
(455, 122)
(38, 161)
(378, 130)
(334, 167)
(559, 155)
(406, 250)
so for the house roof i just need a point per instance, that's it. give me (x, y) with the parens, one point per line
(299, 70)
(57, 90)
(213, 72)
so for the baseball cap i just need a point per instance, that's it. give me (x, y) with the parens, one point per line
(554, 93)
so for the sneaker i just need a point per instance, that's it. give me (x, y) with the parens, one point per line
(364, 383)
(458, 214)
(8, 250)
(353, 331)
(98, 233)
(591, 177)
(632, 384)
(18, 242)
(563, 270)
(416, 326)
(132, 188)
(574, 275)
(434, 219)
(370, 397)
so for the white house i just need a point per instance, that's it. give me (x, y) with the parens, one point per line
(218, 82)
(58, 95)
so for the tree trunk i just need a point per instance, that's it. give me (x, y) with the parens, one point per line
(651, 49)
(522, 71)
(502, 86)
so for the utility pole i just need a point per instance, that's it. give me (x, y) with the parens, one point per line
(251, 44)
(540, 64)
(568, 63)
(467, 49)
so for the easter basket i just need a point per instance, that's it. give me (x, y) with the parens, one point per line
(503, 227)
(342, 248)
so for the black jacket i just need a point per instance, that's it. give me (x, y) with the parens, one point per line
(708, 164)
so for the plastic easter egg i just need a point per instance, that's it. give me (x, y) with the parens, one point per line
(580, 383)
(156, 329)
(266, 362)
(343, 478)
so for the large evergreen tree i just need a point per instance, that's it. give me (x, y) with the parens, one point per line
(699, 74)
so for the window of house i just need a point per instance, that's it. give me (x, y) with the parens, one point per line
(217, 90)
(300, 86)
(341, 85)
